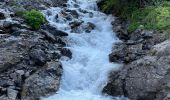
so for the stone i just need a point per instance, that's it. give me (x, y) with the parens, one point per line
(49, 36)
(59, 2)
(9, 24)
(147, 34)
(89, 27)
(60, 41)
(66, 52)
(123, 53)
(73, 13)
(145, 78)
(54, 30)
(2, 16)
(75, 24)
(2, 32)
(12, 94)
(38, 56)
(43, 82)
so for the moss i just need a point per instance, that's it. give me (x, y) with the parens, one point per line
(34, 18)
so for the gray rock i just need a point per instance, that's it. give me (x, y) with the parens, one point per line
(25, 53)
(49, 36)
(73, 13)
(147, 34)
(66, 52)
(2, 16)
(54, 30)
(9, 24)
(75, 24)
(58, 2)
(44, 82)
(38, 4)
(60, 41)
(2, 32)
(123, 53)
(89, 27)
(3, 97)
(38, 56)
(12, 94)
(146, 78)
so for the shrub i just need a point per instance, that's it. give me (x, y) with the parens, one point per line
(151, 14)
(137, 18)
(34, 19)
(157, 18)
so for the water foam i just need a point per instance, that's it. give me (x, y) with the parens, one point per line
(86, 73)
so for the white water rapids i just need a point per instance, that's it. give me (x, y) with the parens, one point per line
(86, 73)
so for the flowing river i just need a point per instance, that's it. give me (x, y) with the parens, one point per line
(87, 72)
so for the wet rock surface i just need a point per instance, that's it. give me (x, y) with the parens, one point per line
(145, 73)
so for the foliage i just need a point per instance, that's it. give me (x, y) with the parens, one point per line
(151, 14)
(157, 18)
(118, 6)
(138, 18)
(33, 18)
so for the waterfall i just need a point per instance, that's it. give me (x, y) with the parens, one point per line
(87, 72)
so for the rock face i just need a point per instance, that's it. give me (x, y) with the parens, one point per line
(29, 60)
(36, 4)
(134, 45)
(42, 83)
(146, 71)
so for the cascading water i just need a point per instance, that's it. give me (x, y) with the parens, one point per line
(86, 73)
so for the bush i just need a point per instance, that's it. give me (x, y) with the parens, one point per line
(118, 6)
(151, 14)
(34, 19)
(157, 18)
(138, 18)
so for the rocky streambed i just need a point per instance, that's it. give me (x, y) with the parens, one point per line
(30, 61)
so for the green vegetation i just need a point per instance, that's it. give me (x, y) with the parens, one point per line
(153, 15)
(34, 18)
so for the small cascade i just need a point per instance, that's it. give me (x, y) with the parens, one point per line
(90, 40)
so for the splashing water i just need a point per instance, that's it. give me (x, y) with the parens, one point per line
(86, 73)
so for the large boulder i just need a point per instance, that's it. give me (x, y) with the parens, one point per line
(144, 79)
(44, 82)
(22, 56)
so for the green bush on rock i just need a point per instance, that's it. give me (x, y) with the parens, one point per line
(34, 19)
